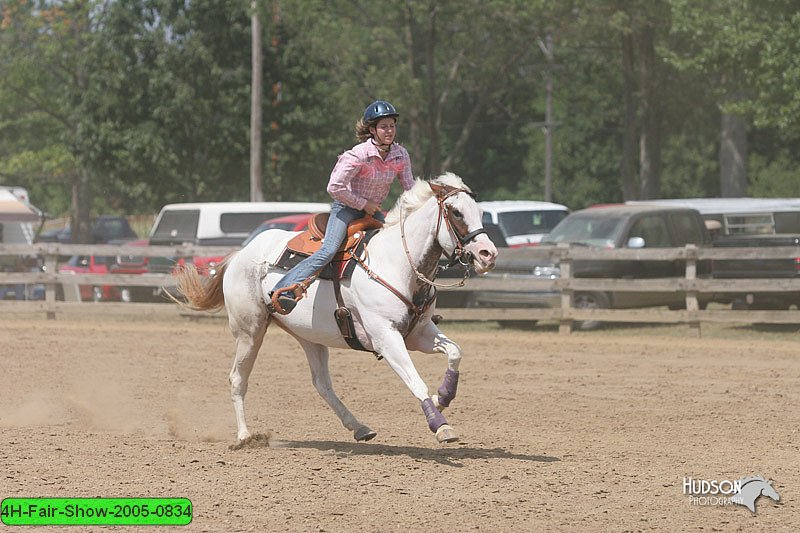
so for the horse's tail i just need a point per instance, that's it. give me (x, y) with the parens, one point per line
(202, 293)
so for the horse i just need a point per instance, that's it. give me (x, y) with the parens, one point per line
(752, 488)
(391, 295)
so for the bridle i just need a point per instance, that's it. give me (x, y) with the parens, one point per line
(459, 256)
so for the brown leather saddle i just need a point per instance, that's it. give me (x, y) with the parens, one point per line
(309, 241)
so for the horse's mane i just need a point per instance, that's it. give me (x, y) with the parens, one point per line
(412, 199)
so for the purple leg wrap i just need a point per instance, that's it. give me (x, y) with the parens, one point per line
(435, 418)
(447, 391)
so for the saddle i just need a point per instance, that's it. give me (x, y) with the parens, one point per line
(359, 232)
(310, 240)
(306, 243)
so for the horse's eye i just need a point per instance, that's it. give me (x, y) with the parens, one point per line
(457, 213)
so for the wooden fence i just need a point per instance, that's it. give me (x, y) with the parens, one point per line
(502, 279)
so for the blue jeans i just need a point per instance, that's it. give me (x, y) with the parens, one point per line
(335, 234)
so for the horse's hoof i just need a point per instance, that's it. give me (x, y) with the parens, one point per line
(446, 434)
(364, 434)
(435, 399)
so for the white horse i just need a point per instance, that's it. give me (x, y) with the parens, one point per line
(386, 294)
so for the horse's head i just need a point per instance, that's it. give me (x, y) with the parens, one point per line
(462, 232)
(769, 491)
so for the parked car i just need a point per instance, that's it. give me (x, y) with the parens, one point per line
(105, 228)
(22, 291)
(464, 298)
(296, 222)
(90, 264)
(136, 265)
(522, 222)
(625, 226)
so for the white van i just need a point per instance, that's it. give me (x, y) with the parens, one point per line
(220, 223)
(523, 222)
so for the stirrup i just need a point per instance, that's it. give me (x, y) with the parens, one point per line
(282, 303)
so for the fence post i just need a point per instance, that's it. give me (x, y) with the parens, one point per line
(50, 266)
(692, 307)
(567, 295)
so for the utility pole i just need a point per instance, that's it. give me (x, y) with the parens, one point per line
(277, 96)
(547, 50)
(255, 106)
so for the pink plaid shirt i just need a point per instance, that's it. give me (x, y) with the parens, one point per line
(361, 175)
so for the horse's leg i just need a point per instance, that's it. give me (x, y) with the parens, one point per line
(248, 321)
(390, 344)
(428, 338)
(248, 342)
(317, 356)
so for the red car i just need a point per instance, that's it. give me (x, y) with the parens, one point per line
(298, 222)
(136, 264)
(91, 264)
(289, 223)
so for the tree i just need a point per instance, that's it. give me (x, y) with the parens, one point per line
(748, 53)
(42, 75)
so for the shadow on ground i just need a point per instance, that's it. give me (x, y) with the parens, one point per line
(444, 455)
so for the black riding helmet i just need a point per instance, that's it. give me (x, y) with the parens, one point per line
(379, 109)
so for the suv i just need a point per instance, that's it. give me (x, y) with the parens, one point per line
(523, 222)
(617, 226)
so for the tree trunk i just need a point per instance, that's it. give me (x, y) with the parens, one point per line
(733, 156)
(650, 135)
(81, 207)
(548, 119)
(628, 163)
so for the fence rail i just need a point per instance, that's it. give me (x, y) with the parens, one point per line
(506, 277)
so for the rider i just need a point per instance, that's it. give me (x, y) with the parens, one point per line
(359, 182)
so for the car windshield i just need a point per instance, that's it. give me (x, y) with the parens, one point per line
(588, 229)
(529, 222)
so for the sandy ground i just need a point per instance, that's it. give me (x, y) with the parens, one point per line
(590, 432)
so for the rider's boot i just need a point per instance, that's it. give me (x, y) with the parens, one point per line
(284, 300)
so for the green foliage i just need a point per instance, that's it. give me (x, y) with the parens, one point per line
(149, 100)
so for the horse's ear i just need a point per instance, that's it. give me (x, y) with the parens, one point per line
(437, 189)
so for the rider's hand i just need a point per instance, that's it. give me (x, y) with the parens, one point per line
(371, 207)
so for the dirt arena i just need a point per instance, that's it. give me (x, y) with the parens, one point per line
(589, 432)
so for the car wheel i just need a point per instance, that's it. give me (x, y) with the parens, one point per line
(590, 300)
(125, 295)
(97, 294)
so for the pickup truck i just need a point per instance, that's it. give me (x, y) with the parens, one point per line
(788, 268)
(610, 226)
